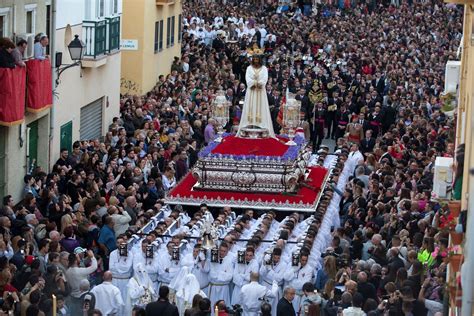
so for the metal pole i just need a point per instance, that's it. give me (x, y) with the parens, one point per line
(52, 50)
(221, 238)
(464, 98)
(467, 275)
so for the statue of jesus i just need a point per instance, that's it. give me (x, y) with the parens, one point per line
(256, 111)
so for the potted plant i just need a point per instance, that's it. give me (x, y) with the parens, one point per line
(454, 257)
(447, 222)
(456, 238)
(454, 208)
(449, 104)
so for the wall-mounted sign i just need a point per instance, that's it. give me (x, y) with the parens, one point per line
(127, 44)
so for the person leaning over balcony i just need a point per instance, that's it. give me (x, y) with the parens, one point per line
(6, 58)
(40, 46)
(18, 52)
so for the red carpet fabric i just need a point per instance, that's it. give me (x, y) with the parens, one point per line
(307, 194)
(232, 145)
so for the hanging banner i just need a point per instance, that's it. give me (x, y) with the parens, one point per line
(12, 95)
(39, 94)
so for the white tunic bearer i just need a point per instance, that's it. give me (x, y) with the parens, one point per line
(252, 296)
(167, 268)
(121, 268)
(270, 273)
(108, 299)
(201, 268)
(220, 276)
(242, 277)
(297, 276)
(256, 111)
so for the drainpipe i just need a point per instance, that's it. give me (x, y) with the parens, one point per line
(52, 46)
(467, 276)
(14, 21)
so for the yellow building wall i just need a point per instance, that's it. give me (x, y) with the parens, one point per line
(142, 67)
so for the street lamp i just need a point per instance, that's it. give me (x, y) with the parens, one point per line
(76, 48)
(76, 51)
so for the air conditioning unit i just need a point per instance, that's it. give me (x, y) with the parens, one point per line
(451, 76)
(30, 39)
(443, 177)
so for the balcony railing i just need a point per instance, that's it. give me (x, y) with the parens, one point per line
(113, 34)
(95, 38)
(101, 37)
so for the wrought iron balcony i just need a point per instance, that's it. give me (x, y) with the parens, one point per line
(113, 34)
(101, 37)
(95, 38)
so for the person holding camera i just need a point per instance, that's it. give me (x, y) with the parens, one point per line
(121, 219)
(75, 274)
(310, 301)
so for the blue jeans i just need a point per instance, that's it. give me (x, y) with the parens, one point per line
(307, 9)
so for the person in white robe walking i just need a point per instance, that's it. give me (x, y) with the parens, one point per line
(140, 290)
(253, 294)
(108, 298)
(151, 265)
(274, 272)
(220, 276)
(121, 268)
(188, 287)
(297, 276)
(242, 274)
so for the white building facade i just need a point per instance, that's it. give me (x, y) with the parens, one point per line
(87, 97)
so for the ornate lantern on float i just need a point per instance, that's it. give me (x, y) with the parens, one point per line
(220, 112)
(291, 116)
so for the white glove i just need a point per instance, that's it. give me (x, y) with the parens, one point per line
(267, 257)
(202, 257)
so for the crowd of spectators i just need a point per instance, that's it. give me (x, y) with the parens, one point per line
(381, 63)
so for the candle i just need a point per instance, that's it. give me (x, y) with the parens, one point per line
(54, 305)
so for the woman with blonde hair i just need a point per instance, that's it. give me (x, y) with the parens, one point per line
(328, 271)
(66, 220)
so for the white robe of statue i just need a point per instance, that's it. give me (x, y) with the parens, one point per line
(256, 110)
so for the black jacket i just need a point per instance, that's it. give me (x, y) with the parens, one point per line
(285, 308)
(6, 59)
(162, 308)
(367, 145)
